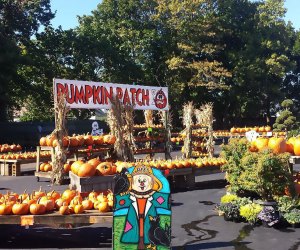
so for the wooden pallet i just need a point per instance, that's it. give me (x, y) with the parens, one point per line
(88, 217)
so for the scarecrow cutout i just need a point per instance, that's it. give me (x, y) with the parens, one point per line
(142, 209)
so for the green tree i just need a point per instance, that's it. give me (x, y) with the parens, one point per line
(19, 21)
(286, 121)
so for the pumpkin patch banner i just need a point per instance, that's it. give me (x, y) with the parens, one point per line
(97, 95)
(142, 209)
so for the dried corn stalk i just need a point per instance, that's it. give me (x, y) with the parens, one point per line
(148, 118)
(120, 121)
(60, 158)
(188, 110)
(204, 117)
(166, 119)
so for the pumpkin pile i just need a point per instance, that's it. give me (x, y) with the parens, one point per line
(24, 156)
(45, 166)
(39, 202)
(144, 126)
(182, 163)
(78, 140)
(6, 148)
(93, 167)
(149, 150)
(261, 129)
(277, 144)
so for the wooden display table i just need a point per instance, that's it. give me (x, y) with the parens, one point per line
(13, 167)
(89, 216)
(89, 184)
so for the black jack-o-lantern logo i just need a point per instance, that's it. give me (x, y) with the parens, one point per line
(160, 99)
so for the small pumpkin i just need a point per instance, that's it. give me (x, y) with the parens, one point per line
(5, 209)
(78, 209)
(87, 204)
(103, 207)
(37, 208)
(68, 195)
(64, 210)
(20, 208)
(104, 168)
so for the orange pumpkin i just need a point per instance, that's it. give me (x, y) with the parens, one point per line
(54, 195)
(37, 208)
(67, 167)
(42, 166)
(60, 202)
(93, 195)
(104, 168)
(88, 140)
(94, 162)
(20, 209)
(78, 209)
(109, 139)
(103, 207)
(68, 195)
(43, 141)
(49, 140)
(48, 167)
(5, 209)
(75, 166)
(64, 210)
(278, 145)
(73, 141)
(261, 143)
(297, 146)
(80, 140)
(86, 170)
(87, 204)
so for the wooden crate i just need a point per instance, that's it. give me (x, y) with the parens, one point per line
(94, 183)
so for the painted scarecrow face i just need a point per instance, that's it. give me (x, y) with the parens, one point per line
(142, 182)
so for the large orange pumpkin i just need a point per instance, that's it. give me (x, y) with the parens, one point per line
(75, 166)
(86, 170)
(278, 145)
(49, 140)
(104, 168)
(261, 143)
(94, 162)
(297, 146)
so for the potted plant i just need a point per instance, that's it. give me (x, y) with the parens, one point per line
(250, 212)
(230, 207)
(293, 217)
(269, 216)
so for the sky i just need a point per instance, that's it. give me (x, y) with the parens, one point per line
(67, 11)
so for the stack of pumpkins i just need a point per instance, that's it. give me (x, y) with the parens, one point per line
(278, 145)
(78, 140)
(39, 202)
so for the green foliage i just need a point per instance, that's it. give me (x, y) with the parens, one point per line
(292, 216)
(286, 120)
(264, 173)
(250, 212)
(228, 198)
(287, 203)
(233, 153)
(19, 21)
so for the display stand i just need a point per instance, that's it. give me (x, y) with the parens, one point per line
(55, 219)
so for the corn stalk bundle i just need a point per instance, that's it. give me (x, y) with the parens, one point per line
(148, 114)
(166, 119)
(204, 117)
(60, 158)
(120, 121)
(188, 110)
